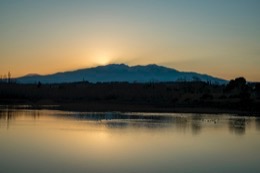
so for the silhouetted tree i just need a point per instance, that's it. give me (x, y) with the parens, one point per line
(257, 90)
(238, 83)
(39, 84)
(239, 88)
(9, 77)
(4, 78)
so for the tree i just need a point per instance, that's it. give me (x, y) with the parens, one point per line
(238, 83)
(39, 84)
(240, 89)
(9, 77)
(4, 78)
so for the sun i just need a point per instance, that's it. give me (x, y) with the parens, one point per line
(102, 59)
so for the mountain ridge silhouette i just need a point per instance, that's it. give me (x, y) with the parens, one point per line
(121, 73)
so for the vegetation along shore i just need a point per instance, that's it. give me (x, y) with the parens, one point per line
(238, 96)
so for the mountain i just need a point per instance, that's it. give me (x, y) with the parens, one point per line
(121, 73)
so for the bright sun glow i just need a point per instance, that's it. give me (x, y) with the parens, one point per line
(102, 59)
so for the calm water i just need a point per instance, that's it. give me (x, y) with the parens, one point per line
(59, 141)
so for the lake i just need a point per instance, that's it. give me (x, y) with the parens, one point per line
(63, 142)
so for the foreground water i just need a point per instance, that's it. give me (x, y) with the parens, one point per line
(59, 141)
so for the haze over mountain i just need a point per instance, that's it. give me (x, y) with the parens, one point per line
(121, 73)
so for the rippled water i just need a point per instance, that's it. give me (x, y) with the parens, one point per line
(60, 141)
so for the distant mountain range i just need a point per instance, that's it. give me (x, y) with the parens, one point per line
(121, 73)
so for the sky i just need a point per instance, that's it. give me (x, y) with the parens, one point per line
(220, 38)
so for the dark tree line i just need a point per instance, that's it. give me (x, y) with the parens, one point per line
(238, 94)
(6, 78)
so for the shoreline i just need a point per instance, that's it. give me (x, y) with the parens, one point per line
(130, 108)
(182, 97)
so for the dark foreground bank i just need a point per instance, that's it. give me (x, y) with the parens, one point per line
(198, 97)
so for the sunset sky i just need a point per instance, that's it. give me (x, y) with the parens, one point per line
(217, 37)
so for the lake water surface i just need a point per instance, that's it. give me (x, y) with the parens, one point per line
(59, 141)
